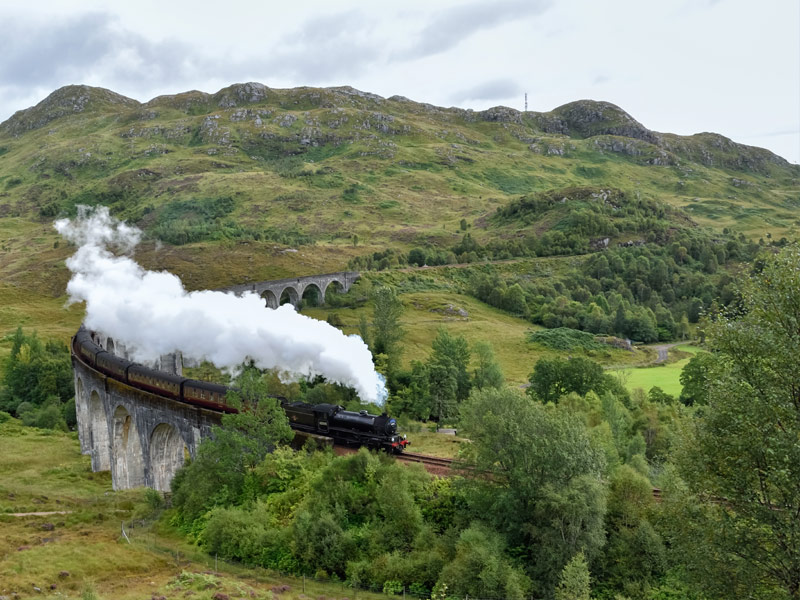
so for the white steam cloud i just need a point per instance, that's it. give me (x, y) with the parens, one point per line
(153, 314)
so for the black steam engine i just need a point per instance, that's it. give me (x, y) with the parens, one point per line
(329, 420)
(346, 427)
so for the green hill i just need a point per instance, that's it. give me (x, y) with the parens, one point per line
(319, 165)
(255, 183)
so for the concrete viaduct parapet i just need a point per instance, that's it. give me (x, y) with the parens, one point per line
(169, 363)
(295, 287)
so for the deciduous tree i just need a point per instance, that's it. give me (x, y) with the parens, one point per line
(545, 492)
(695, 379)
(38, 375)
(218, 474)
(386, 329)
(452, 352)
(554, 378)
(487, 374)
(746, 446)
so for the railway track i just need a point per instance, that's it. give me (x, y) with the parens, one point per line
(425, 459)
(438, 464)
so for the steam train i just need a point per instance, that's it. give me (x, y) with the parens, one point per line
(346, 427)
(327, 420)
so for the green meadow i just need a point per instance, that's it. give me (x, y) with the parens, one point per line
(425, 312)
(666, 375)
(77, 550)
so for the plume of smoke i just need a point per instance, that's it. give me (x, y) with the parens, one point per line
(153, 314)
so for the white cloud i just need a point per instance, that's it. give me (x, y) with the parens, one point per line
(496, 89)
(455, 25)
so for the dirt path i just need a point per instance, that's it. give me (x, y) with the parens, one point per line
(40, 514)
(663, 351)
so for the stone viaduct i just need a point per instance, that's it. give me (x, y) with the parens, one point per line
(296, 287)
(144, 438)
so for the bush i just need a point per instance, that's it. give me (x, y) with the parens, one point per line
(69, 412)
(335, 319)
(563, 338)
(480, 567)
(154, 498)
(47, 417)
(393, 587)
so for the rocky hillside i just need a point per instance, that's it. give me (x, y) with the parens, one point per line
(283, 169)
(308, 115)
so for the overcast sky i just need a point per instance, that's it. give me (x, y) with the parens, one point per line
(680, 66)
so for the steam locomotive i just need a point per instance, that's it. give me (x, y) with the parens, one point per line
(346, 427)
(328, 420)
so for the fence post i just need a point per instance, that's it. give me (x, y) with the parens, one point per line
(122, 525)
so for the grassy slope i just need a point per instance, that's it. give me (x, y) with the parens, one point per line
(328, 164)
(425, 312)
(44, 471)
(414, 180)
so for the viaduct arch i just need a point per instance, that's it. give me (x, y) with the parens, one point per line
(295, 287)
(143, 438)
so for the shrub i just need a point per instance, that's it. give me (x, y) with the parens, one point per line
(564, 338)
(154, 499)
(393, 587)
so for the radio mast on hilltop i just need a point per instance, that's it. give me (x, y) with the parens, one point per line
(526, 101)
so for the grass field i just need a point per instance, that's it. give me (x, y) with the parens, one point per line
(425, 441)
(666, 376)
(425, 312)
(48, 316)
(82, 554)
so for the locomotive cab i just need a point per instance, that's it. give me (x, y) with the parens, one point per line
(391, 425)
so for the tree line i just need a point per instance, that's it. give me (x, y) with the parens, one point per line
(37, 382)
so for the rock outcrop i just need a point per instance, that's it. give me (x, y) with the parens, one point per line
(290, 121)
(588, 118)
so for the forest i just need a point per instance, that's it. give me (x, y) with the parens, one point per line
(648, 289)
(553, 497)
